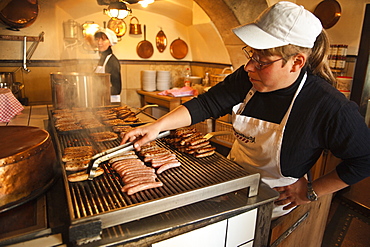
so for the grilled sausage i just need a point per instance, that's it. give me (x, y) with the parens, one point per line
(197, 141)
(143, 186)
(205, 154)
(159, 157)
(168, 166)
(205, 150)
(202, 144)
(194, 136)
(130, 179)
(140, 172)
(161, 163)
(156, 152)
(123, 170)
(128, 155)
(123, 163)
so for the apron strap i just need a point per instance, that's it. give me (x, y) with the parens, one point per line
(285, 119)
(106, 60)
(246, 99)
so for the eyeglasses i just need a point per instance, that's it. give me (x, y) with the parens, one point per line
(248, 52)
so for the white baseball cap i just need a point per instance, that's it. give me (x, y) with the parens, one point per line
(281, 24)
(110, 34)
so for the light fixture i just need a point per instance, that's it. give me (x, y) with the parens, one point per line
(145, 3)
(118, 10)
(89, 29)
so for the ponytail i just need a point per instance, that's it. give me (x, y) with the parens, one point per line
(318, 60)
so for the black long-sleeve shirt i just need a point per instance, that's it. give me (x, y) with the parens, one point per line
(321, 118)
(112, 67)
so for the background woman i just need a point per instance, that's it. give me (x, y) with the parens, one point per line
(108, 63)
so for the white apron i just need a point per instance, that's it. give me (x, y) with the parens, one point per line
(258, 146)
(101, 69)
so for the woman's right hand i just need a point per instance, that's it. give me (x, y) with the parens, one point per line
(177, 118)
(141, 135)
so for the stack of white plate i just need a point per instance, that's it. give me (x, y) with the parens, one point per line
(148, 79)
(163, 80)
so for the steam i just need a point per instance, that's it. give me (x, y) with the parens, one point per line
(80, 90)
(76, 85)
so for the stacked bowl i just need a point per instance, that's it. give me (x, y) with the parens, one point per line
(163, 80)
(148, 79)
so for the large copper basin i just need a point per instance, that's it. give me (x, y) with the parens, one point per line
(27, 164)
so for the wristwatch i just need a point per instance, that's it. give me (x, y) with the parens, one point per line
(311, 194)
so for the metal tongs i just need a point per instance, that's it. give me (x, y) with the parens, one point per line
(99, 158)
(144, 107)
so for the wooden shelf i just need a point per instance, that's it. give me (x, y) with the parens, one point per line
(21, 38)
(164, 101)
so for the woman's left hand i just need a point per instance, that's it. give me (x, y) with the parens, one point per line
(293, 195)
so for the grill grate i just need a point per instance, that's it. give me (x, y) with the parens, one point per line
(104, 193)
(195, 180)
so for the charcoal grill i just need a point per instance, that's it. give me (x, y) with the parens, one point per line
(99, 204)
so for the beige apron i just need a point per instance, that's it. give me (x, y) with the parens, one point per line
(258, 145)
(101, 69)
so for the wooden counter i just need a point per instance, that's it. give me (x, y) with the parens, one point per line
(164, 101)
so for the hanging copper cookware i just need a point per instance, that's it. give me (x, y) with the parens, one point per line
(178, 49)
(19, 13)
(135, 28)
(329, 12)
(161, 41)
(118, 26)
(145, 49)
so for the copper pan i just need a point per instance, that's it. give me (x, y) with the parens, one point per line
(329, 12)
(18, 13)
(144, 49)
(179, 49)
(161, 41)
(118, 26)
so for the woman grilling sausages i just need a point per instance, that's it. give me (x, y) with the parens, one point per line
(285, 111)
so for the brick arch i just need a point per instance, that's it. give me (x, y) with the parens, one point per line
(227, 14)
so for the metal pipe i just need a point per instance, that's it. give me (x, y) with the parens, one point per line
(25, 55)
(34, 45)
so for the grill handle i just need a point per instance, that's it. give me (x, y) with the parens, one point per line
(144, 107)
(111, 153)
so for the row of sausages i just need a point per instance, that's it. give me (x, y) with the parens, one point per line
(137, 176)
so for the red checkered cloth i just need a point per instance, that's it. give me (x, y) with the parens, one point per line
(9, 105)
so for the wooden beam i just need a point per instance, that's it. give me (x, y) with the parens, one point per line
(21, 38)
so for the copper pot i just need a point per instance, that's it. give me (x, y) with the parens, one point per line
(28, 164)
(135, 28)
